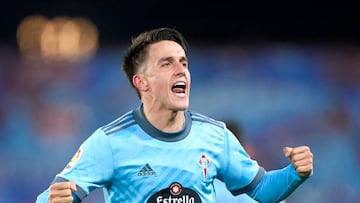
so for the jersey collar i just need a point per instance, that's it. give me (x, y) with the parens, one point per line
(158, 134)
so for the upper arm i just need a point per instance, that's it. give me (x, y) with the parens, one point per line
(240, 173)
(92, 165)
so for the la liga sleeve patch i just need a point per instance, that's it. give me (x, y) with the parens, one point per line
(73, 160)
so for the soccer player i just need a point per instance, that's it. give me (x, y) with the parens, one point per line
(161, 151)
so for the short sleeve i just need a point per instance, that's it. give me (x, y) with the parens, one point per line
(240, 173)
(92, 165)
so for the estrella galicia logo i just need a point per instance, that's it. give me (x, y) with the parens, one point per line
(175, 194)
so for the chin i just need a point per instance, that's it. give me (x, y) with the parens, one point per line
(179, 104)
(181, 107)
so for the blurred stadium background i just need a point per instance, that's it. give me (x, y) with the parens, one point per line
(287, 75)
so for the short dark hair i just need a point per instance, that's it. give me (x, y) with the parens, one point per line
(136, 53)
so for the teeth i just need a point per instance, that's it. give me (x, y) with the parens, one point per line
(179, 84)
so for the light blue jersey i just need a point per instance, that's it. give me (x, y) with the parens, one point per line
(135, 162)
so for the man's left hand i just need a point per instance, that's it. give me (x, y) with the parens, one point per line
(301, 158)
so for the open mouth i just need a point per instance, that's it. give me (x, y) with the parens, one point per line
(179, 88)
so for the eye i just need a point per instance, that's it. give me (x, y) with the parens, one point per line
(165, 64)
(184, 62)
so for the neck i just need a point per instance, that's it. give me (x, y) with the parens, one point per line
(165, 120)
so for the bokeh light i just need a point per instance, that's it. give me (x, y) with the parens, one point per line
(57, 39)
(28, 36)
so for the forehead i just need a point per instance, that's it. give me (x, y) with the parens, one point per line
(165, 48)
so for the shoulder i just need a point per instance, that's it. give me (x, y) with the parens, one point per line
(121, 123)
(198, 117)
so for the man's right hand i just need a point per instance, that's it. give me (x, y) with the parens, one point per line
(61, 192)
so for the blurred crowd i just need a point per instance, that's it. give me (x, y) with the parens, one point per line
(280, 94)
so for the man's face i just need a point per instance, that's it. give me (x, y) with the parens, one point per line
(167, 76)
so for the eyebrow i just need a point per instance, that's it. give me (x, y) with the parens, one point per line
(171, 58)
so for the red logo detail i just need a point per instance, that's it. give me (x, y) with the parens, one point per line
(204, 163)
(175, 188)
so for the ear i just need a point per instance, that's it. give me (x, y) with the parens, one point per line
(140, 82)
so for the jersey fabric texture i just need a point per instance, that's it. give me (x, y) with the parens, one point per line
(135, 162)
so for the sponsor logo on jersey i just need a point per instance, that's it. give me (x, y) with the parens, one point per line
(74, 159)
(146, 171)
(175, 193)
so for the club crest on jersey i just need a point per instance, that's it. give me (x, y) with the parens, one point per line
(175, 193)
(74, 159)
(204, 163)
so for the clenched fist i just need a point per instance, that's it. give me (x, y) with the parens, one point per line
(301, 158)
(61, 192)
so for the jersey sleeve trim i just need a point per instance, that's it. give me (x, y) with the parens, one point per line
(79, 193)
(253, 183)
